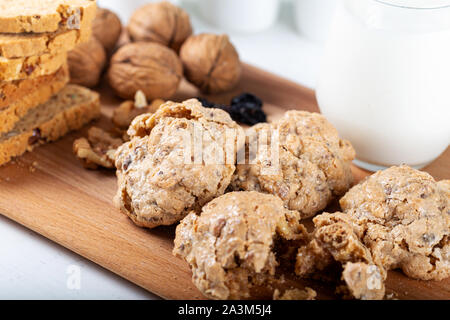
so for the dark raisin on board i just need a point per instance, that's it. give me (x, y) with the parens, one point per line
(35, 137)
(208, 104)
(245, 108)
(247, 99)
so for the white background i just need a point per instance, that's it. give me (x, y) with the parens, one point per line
(32, 267)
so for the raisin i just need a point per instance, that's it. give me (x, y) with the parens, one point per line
(245, 108)
(126, 164)
(35, 137)
(63, 21)
(247, 99)
(208, 104)
(29, 69)
(248, 114)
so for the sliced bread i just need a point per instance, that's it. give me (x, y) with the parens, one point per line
(11, 114)
(11, 91)
(70, 109)
(38, 16)
(19, 45)
(31, 67)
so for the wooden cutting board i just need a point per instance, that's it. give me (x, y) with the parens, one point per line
(49, 192)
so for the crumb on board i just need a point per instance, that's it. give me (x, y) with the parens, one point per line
(32, 168)
(295, 294)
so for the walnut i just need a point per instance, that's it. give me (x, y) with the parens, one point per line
(128, 110)
(86, 63)
(98, 149)
(211, 62)
(161, 22)
(146, 66)
(107, 28)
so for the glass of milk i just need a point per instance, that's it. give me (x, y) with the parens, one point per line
(385, 80)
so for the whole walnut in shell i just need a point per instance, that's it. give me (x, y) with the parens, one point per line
(211, 62)
(161, 22)
(86, 63)
(150, 67)
(107, 28)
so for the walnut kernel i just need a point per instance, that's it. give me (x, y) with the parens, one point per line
(98, 149)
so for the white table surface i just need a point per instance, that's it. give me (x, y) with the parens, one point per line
(32, 267)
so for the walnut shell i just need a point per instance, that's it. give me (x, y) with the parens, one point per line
(211, 63)
(86, 63)
(147, 66)
(161, 22)
(107, 28)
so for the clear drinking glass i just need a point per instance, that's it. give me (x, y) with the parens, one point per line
(385, 80)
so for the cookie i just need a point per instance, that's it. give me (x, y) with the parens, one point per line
(335, 241)
(405, 215)
(162, 175)
(11, 114)
(398, 218)
(11, 91)
(23, 45)
(31, 67)
(231, 245)
(307, 165)
(38, 16)
(69, 110)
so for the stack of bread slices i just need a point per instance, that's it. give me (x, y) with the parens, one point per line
(37, 104)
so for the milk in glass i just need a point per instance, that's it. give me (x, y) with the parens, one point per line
(385, 80)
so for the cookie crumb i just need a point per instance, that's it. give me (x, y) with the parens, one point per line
(32, 168)
(295, 294)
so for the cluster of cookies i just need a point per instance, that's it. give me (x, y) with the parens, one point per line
(242, 227)
(36, 103)
(398, 218)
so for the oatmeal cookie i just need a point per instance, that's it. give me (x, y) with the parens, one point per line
(364, 281)
(314, 163)
(336, 241)
(396, 218)
(405, 218)
(178, 159)
(230, 247)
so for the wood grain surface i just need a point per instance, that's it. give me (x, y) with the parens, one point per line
(49, 192)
